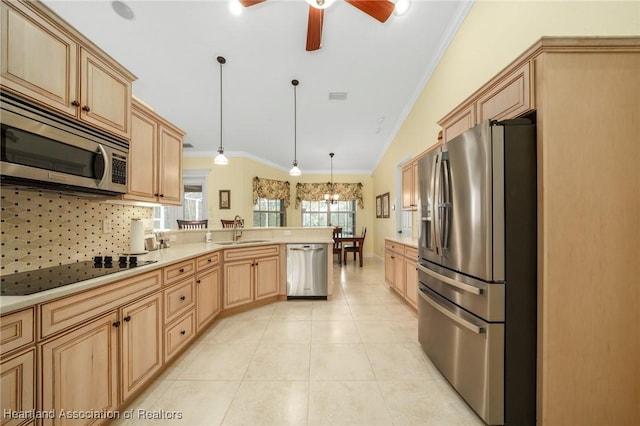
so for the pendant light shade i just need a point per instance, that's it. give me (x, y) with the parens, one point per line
(320, 4)
(220, 159)
(332, 197)
(295, 171)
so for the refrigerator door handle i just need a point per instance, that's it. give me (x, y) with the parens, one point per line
(461, 286)
(446, 201)
(453, 317)
(435, 179)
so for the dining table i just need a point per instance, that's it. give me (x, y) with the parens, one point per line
(359, 241)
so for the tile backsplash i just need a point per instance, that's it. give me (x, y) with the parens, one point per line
(42, 229)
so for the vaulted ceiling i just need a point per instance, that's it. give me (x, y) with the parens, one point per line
(171, 46)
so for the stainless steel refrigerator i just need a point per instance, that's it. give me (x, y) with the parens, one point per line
(477, 267)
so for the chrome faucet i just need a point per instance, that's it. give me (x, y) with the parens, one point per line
(237, 221)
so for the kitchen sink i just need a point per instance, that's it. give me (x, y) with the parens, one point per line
(224, 243)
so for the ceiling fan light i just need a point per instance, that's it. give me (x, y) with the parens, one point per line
(320, 4)
(235, 7)
(402, 6)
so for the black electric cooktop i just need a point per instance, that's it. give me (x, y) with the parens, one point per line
(29, 282)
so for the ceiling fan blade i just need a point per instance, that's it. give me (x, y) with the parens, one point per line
(247, 3)
(314, 28)
(378, 9)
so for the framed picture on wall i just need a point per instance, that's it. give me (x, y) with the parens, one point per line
(379, 206)
(225, 199)
(385, 205)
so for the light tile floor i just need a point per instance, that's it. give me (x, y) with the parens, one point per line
(353, 360)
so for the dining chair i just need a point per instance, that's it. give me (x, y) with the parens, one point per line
(193, 224)
(228, 223)
(337, 244)
(356, 247)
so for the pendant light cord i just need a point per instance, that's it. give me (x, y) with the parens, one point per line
(220, 149)
(295, 122)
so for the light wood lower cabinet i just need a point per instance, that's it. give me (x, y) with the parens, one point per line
(80, 370)
(400, 273)
(141, 352)
(207, 297)
(178, 334)
(254, 274)
(17, 387)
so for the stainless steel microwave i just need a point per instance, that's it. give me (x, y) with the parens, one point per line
(41, 149)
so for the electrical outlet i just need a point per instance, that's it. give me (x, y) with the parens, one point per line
(106, 226)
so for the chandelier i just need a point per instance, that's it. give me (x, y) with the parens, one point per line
(331, 197)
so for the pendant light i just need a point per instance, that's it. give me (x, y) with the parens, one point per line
(332, 197)
(320, 4)
(220, 159)
(295, 171)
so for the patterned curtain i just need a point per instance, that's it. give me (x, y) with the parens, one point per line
(271, 189)
(316, 191)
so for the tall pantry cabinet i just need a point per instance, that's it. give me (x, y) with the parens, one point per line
(586, 97)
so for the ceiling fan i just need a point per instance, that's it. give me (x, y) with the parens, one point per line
(377, 9)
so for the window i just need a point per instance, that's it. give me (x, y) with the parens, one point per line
(194, 202)
(319, 213)
(269, 213)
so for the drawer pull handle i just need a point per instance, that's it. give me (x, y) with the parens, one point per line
(75, 103)
(209, 260)
(183, 297)
(183, 332)
(181, 269)
(198, 281)
(127, 318)
(86, 108)
(116, 324)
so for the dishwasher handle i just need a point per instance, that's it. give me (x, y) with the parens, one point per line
(306, 249)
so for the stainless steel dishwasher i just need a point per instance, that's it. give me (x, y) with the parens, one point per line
(307, 271)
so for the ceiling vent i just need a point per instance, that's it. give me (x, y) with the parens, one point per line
(338, 96)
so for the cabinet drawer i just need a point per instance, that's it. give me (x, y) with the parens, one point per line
(251, 252)
(394, 247)
(178, 271)
(411, 253)
(207, 261)
(76, 309)
(177, 335)
(17, 329)
(178, 299)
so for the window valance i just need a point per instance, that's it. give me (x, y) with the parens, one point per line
(316, 191)
(271, 189)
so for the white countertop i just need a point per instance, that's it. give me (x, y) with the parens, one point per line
(407, 241)
(164, 257)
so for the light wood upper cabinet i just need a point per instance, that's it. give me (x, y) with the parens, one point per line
(50, 63)
(507, 98)
(141, 351)
(170, 166)
(410, 186)
(155, 158)
(80, 370)
(105, 95)
(39, 60)
(457, 122)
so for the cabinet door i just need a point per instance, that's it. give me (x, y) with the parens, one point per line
(408, 202)
(454, 125)
(267, 276)
(398, 272)
(17, 386)
(238, 283)
(80, 370)
(105, 96)
(207, 297)
(509, 98)
(411, 280)
(389, 274)
(143, 158)
(170, 167)
(38, 60)
(141, 352)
